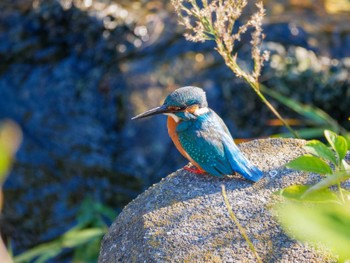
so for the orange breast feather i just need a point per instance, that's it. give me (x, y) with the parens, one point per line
(173, 135)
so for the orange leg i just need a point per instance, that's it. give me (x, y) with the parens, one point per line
(193, 169)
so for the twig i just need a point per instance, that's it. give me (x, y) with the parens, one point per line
(241, 229)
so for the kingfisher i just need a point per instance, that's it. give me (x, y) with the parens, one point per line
(201, 136)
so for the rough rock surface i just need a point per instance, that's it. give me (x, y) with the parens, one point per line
(184, 219)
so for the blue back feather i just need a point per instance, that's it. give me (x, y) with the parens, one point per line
(209, 143)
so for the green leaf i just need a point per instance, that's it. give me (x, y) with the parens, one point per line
(292, 192)
(78, 237)
(298, 193)
(48, 254)
(341, 146)
(330, 136)
(51, 248)
(320, 224)
(309, 163)
(347, 138)
(338, 143)
(319, 149)
(72, 238)
(328, 181)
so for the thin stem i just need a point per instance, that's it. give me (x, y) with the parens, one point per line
(274, 111)
(241, 229)
(255, 85)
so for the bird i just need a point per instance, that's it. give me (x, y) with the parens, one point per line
(201, 136)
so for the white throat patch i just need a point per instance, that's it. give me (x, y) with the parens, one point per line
(201, 111)
(172, 115)
(197, 112)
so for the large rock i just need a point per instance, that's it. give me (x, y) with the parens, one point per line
(184, 219)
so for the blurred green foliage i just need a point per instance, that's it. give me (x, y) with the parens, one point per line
(318, 214)
(316, 119)
(83, 240)
(320, 224)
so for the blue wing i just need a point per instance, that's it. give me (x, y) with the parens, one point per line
(240, 163)
(209, 143)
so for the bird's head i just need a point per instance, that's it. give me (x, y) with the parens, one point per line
(182, 104)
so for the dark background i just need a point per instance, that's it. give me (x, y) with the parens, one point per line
(73, 73)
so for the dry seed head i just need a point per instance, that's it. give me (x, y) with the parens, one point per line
(215, 20)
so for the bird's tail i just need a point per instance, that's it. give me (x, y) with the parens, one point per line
(252, 173)
(242, 165)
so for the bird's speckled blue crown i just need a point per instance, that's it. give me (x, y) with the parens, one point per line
(187, 96)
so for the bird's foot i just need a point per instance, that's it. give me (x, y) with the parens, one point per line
(193, 169)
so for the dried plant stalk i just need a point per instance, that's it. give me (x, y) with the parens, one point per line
(240, 227)
(215, 20)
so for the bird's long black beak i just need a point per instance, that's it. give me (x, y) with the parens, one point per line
(158, 110)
